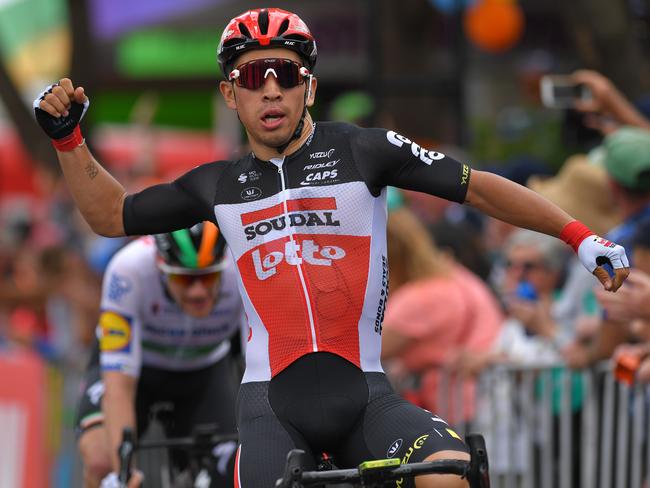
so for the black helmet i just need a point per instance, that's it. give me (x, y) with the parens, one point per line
(197, 250)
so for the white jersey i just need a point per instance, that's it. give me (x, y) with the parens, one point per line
(140, 324)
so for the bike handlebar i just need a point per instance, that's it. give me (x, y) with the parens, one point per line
(377, 473)
(203, 437)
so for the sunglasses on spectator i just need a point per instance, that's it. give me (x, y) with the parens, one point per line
(253, 74)
(206, 279)
(526, 266)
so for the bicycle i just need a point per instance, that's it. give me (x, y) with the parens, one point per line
(382, 472)
(199, 446)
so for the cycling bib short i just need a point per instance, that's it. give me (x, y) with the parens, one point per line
(322, 402)
(308, 234)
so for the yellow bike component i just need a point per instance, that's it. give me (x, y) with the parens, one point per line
(378, 463)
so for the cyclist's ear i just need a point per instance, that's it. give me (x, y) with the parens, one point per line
(228, 92)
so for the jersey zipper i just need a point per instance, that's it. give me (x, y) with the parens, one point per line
(294, 246)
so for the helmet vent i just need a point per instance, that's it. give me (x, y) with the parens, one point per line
(283, 27)
(263, 20)
(244, 30)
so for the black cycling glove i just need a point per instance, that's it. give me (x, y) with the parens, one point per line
(64, 131)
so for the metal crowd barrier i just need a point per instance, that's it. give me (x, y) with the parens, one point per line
(549, 427)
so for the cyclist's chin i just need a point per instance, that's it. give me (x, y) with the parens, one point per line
(274, 138)
(197, 308)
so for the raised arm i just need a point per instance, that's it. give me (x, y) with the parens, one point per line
(101, 199)
(99, 196)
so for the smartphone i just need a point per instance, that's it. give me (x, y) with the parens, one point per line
(526, 291)
(560, 91)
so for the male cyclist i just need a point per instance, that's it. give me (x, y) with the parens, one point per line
(169, 308)
(305, 218)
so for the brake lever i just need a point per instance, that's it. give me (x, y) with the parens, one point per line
(125, 453)
(292, 470)
(479, 472)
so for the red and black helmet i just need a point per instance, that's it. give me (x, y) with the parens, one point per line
(263, 29)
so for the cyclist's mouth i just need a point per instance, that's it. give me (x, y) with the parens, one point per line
(272, 119)
(197, 302)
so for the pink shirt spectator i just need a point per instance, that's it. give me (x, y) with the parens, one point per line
(443, 315)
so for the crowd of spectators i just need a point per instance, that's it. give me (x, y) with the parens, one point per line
(49, 290)
(51, 264)
(554, 312)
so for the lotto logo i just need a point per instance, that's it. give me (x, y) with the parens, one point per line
(427, 157)
(295, 254)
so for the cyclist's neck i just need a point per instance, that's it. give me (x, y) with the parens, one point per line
(266, 153)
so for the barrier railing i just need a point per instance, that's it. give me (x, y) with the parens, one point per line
(547, 426)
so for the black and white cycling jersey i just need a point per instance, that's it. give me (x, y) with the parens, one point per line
(308, 234)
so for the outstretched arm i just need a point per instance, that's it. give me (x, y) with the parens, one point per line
(99, 196)
(517, 205)
(387, 158)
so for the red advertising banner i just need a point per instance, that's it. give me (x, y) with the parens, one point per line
(23, 460)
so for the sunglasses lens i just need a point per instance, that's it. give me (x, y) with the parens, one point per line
(178, 279)
(250, 76)
(207, 279)
(253, 74)
(288, 74)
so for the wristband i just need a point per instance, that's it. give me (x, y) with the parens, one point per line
(69, 142)
(574, 233)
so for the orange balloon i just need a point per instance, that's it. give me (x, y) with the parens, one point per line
(494, 25)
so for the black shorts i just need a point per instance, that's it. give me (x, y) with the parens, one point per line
(189, 398)
(323, 403)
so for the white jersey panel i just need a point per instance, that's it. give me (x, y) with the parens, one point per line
(258, 366)
(373, 311)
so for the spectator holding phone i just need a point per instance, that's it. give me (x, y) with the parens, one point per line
(529, 289)
(531, 283)
(607, 107)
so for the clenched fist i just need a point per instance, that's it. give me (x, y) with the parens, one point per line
(58, 110)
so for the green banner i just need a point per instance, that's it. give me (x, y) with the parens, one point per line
(164, 53)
